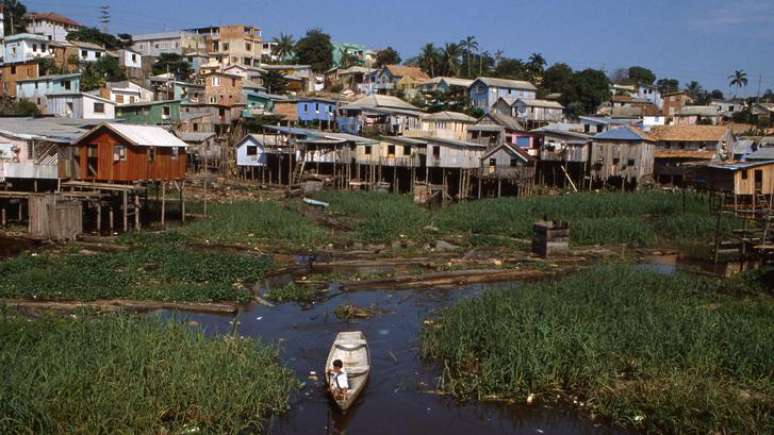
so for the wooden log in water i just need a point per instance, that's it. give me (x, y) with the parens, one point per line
(115, 305)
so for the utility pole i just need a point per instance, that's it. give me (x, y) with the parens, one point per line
(758, 94)
(104, 17)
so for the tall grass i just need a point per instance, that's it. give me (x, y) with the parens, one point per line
(131, 375)
(661, 353)
(641, 219)
(155, 268)
(256, 223)
(379, 218)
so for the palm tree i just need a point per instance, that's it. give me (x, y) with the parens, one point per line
(451, 58)
(694, 90)
(535, 66)
(285, 45)
(470, 45)
(738, 79)
(427, 58)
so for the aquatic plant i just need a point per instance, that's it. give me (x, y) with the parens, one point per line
(293, 293)
(267, 224)
(662, 353)
(378, 218)
(156, 267)
(639, 219)
(123, 374)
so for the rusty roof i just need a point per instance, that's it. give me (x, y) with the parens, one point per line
(689, 133)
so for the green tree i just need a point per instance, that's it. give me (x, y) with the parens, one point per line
(173, 63)
(559, 77)
(315, 49)
(428, 59)
(274, 82)
(47, 66)
(695, 91)
(470, 46)
(535, 67)
(285, 46)
(591, 88)
(738, 79)
(450, 59)
(514, 69)
(14, 20)
(94, 75)
(639, 75)
(388, 56)
(717, 94)
(666, 86)
(18, 108)
(95, 36)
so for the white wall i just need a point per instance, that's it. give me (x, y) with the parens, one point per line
(26, 49)
(53, 31)
(129, 61)
(244, 160)
(89, 55)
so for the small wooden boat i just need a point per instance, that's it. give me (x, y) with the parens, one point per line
(352, 349)
(316, 203)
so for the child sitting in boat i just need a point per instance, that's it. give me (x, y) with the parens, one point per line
(339, 384)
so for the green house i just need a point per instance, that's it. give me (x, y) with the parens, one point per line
(150, 113)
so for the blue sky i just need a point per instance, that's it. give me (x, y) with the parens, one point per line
(704, 40)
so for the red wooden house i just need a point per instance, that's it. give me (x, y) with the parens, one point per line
(128, 154)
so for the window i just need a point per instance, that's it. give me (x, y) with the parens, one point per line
(34, 47)
(225, 46)
(744, 174)
(119, 153)
(66, 84)
(233, 82)
(514, 162)
(134, 57)
(119, 99)
(97, 54)
(175, 153)
(252, 150)
(248, 46)
(492, 162)
(166, 111)
(131, 100)
(215, 46)
(216, 81)
(406, 150)
(368, 150)
(84, 53)
(317, 107)
(630, 162)
(36, 85)
(391, 150)
(306, 108)
(151, 154)
(99, 107)
(13, 69)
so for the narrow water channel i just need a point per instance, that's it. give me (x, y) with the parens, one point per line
(398, 397)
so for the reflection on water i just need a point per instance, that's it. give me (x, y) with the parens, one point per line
(396, 399)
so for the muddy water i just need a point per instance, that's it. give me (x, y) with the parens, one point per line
(397, 399)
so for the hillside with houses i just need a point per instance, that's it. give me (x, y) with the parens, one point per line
(189, 217)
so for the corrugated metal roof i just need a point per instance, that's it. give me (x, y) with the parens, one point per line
(765, 153)
(449, 116)
(624, 134)
(541, 103)
(195, 137)
(383, 102)
(506, 83)
(142, 135)
(51, 129)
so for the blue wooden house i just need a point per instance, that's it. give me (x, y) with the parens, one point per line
(35, 90)
(485, 91)
(316, 109)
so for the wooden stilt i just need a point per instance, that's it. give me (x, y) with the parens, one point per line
(4, 216)
(99, 218)
(479, 183)
(499, 186)
(163, 204)
(111, 220)
(125, 209)
(137, 212)
(182, 202)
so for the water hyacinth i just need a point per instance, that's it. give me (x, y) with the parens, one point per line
(664, 353)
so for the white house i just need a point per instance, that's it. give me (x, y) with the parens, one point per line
(79, 105)
(126, 92)
(537, 110)
(53, 26)
(88, 52)
(250, 151)
(650, 93)
(129, 58)
(24, 47)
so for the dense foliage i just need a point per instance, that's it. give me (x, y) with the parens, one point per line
(155, 268)
(94, 75)
(661, 353)
(641, 219)
(172, 63)
(95, 36)
(131, 375)
(267, 224)
(315, 49)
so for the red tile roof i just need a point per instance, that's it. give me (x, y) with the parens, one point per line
(52, 17)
